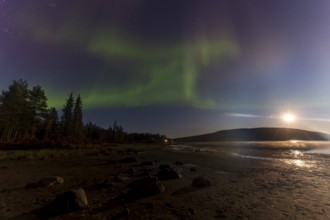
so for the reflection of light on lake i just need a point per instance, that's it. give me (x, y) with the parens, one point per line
(298, 163)
(296, 153)
(298, 159)
(294, 141)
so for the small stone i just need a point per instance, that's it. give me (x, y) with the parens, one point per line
(128, 160)
(131, 151)
(168, 174)
(145, 173)
(26, 157)
(4, 166)
(120, 178)
(46, 182)
(126, 212)
(178, 163)
(149, 206)
(147, 163)
(193, 169)
(102, 185)
(164, 166)
(201, 182)
(130, 171)
(191, 211)
(147, 186)
(112, 162)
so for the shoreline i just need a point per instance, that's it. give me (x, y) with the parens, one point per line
(240, 187)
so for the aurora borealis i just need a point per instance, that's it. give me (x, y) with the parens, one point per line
(174, 67)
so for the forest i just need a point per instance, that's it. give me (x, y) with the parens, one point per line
(26, 120)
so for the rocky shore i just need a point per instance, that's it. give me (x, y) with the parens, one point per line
(157, 183)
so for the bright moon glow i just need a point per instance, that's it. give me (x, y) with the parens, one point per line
(289, 117)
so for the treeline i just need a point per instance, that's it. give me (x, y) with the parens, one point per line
(26, 119)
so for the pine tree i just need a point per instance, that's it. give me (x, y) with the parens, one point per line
(67, 117)
(15, 114)
(52, 125)
(38, 108)
(78, 125)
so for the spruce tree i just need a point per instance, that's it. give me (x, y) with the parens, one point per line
(67, 117)
(52, 125)
(78, 125)
(38, 108)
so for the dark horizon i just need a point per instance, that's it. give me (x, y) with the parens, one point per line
(258, 134)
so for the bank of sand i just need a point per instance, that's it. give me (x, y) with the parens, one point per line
(240, 188)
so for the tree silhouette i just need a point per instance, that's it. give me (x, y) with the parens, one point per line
(67, 117)
(24, 116)
(78, 125)
(15, 112)
(38, 107)
(52, 127)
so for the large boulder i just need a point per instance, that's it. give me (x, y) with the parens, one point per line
(168, 174)
(66, 202)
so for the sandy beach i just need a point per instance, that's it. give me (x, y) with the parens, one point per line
(241, 186)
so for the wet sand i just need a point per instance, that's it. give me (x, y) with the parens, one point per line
(242, 187)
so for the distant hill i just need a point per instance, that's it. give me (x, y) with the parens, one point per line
(257, 134)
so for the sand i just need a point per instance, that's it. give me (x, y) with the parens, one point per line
(241, 188)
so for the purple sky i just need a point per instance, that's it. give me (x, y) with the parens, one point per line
(174, 67)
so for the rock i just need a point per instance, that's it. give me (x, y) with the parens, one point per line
(4, 167)
(66, 202)
(120, 178)
(112, 162)
(46, 182)
(130, 171)
(149, 205)
(191, 211)
(145, 173)
(26, 157)
(164, 166)
(102, 185)
(126, 212)
(201, 182)
(105, 151)
(131, 151)
(147, 163)
(168, 174)
(147, 186)
(193, 169)
(128, 160)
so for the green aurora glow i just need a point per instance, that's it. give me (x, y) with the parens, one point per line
(162, 73)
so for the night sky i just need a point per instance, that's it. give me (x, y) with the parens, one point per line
(175, 67)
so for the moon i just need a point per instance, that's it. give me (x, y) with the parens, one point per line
(289, 117)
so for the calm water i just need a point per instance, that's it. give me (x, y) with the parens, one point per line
(252, 180)
(306, 155)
